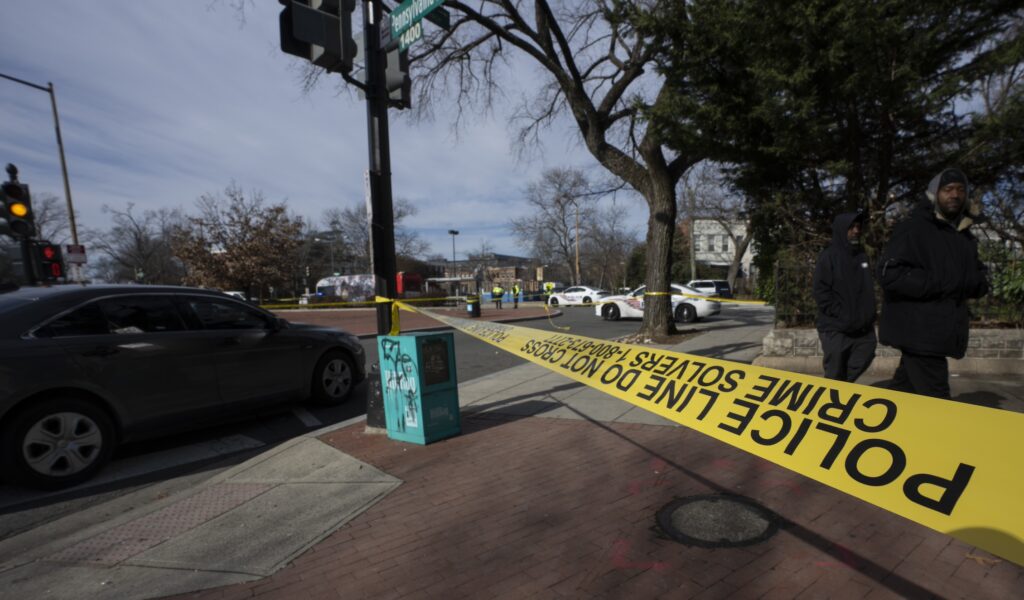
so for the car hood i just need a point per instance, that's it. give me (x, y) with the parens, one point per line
(308, 327)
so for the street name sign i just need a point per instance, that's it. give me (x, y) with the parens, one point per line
(437, 15)
(410, 13)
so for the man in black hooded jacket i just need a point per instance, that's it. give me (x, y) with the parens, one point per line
(845, 293)
(928, 271)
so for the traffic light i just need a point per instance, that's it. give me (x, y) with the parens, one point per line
(16, 209)
(49, 260)
(319, 31)
(397, 79)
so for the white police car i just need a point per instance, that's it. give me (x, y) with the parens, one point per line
(687, 305)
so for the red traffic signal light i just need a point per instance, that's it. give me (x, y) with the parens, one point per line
(50, 260)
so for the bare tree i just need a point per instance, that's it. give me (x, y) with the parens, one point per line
(606, 247)
(137, 247)
(353, 229)
(560, 202)
(51, 218)
(598, 69)
(704, 196)
(239, 243)
(484, 251)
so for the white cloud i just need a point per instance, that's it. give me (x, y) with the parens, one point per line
(162, 102)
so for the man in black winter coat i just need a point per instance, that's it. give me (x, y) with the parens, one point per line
(928, 271)
(845, 293)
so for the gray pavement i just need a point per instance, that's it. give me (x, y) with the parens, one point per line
(248, 521)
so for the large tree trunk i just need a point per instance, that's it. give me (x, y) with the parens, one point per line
(740, 248)
(661, 225)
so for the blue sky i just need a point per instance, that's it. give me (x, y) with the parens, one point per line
(161, 102)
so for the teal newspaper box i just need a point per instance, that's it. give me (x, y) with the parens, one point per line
(421, 391)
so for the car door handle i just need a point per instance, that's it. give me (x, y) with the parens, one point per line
(101, 351)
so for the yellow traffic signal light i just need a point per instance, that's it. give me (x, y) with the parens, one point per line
(18, 209)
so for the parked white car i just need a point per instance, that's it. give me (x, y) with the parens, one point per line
(711, 287)
(576, 295)
(685, 309)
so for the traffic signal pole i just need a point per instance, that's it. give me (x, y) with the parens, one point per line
(382, 220)
(63, 162)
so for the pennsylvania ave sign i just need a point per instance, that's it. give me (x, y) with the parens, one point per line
(409, 13)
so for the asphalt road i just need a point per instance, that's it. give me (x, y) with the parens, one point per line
(161, 466)
(476, 359)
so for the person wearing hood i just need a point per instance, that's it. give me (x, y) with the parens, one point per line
(928, 271)
(845, 293)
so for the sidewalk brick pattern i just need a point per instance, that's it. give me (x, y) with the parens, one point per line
(135, 537)
(555, 508)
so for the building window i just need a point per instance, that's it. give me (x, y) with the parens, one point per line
(711, 244)
(697, 243)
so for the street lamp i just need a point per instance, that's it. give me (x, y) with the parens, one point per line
(60, 148)
(453, 233)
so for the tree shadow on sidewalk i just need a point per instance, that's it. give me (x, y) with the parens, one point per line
(482, 416)
(863, 564)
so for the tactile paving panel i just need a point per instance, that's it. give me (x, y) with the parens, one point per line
(132, 538)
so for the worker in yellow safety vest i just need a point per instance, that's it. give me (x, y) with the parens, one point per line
(515, 295)
(496, 293)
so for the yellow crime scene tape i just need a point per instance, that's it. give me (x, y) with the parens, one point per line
(709, 298)
(954, 467)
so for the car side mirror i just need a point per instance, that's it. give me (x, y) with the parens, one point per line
(277, 324)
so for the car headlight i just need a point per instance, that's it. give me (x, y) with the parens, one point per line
(351, 339)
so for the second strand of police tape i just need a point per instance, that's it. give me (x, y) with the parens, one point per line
(953, 467)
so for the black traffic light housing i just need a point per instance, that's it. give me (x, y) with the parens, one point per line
(319, 31)
(397, 80)
(16, 207)
(49, 261)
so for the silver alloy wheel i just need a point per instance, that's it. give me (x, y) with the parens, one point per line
(337, 378)
(62, 444)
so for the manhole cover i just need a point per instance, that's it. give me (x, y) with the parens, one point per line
(717, 521)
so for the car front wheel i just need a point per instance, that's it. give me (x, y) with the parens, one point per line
(57, 443)
(334, 378)
(587, 301)
(686, 313)
(610, 312)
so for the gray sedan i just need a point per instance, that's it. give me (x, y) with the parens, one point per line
(86, 367)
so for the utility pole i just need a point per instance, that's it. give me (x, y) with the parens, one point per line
(577, 204)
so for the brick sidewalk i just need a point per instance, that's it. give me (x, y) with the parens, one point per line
(557, 508)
